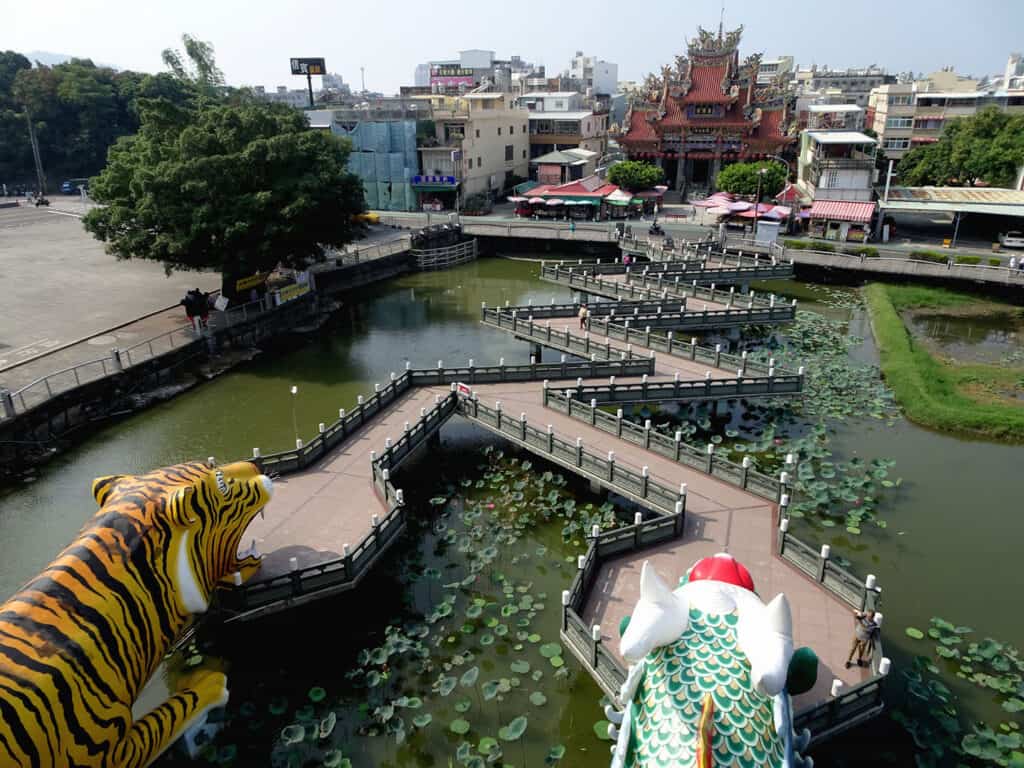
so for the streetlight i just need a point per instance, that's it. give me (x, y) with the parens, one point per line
(295, 424)
(757, 204)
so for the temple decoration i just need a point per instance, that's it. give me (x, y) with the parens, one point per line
(711, 672)
(706, 110)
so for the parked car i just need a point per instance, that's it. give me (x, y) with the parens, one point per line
(71, 186)
(1012, 239)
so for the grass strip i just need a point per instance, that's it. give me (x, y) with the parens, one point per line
(929, 390)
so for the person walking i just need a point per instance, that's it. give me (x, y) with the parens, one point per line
(864, 631)
(584, 315)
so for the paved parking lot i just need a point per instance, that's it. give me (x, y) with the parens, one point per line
(60, 286)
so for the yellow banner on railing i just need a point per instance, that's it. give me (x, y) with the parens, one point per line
(251, 281)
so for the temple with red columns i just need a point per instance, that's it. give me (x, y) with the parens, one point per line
(705, 112)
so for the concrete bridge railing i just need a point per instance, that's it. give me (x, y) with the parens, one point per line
(443, 258)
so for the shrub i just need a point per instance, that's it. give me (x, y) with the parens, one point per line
(938, 258)
(995, 262)
(823, 247)
(868, 251)
(968, 259)
(796, 245)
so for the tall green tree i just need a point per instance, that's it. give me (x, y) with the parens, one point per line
(234, 188)
(742, 178)
(988, 146)
(635, 175)
(196, 65)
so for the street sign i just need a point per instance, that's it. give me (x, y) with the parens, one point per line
(313, 66)
(446, 180)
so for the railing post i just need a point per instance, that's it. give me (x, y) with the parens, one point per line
(497, 411)
(783, 532)
(593, 412)
(8, 403)
(293, 568)
(566, 598)
(711, 458)
(611, 466)
(618, 423)
(678, 445)
(115, 360)
(643, 385)
(693, 347)
(679, 524)
(346, 554)
(595, 636)
(579, 451)
(718, 355)
(644, 481)
(746, 473)
(826, 550)
(522, 426)
(551, 439)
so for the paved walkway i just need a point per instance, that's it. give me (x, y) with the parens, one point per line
(316, 512)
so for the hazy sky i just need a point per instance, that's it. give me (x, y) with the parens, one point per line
(254, 39)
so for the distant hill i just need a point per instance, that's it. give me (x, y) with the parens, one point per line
(49, 59)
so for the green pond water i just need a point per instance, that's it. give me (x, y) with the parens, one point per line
(952, 531)
(991, 338)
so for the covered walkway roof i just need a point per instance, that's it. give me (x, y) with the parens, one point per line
(989, 200)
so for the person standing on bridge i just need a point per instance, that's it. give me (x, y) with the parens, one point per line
(584, 316)
(865, 631)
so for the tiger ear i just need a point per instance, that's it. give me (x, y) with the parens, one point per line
(102, 487)
(179, 507)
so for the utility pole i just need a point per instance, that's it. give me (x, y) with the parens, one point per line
(40, 177)
(362, 77)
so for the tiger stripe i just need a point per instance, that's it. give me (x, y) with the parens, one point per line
(80, 641)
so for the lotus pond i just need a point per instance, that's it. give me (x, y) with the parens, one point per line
(462, 659)
(941, 531)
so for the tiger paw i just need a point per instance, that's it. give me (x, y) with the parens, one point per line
(210, 686)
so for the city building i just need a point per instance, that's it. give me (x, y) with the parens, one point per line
(384, 154)
(774, 70)
(563, 166)
(854, 85)
(293, 97)
(905, 115)
(836, 172)
(474, 144)
(847, 117)
(473, 68)
(589, 74)
(705, 112)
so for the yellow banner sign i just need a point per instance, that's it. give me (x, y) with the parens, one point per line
(290, 292)
(251, 281)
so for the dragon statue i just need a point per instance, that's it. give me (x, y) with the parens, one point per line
(711, 672)
(79, 641)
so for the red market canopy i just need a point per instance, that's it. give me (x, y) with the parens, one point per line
(841, 210)
(517, 199)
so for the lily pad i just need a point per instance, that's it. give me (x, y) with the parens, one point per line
(520, 667)
(487, 745)
(470, 676)
(601, 730)
(459, 726)
(422, 720)
(513, 730)
(538, 699)
(914, 633)
(550, 650)
(293, 734)
(557, 661)
(317, 694)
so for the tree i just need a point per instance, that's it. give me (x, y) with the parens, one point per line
(742, 178)
(236, 188)
(635, 175)
(987, 146)
(197, 66)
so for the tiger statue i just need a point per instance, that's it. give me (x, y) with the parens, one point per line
(712, 671)
(79, 642)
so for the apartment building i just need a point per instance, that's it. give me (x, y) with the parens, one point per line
(559, 120)
(477, 142)
(836, 170)
(593, 75)
(854, 85)
(905, 115)
(772, 70)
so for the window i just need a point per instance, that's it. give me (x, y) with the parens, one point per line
(899, 122)
(479, 162)
(511, 130)
(832, 179)
(896, 144)
(509, 150)
(899, 101)
(703, 110)
(499, 130)
(559, 104)
(478, 133)
(524, 154)
(524, 127)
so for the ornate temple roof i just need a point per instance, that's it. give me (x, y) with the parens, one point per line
(708, 91)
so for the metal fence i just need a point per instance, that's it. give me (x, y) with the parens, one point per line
(443, 258)
(593, 395)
